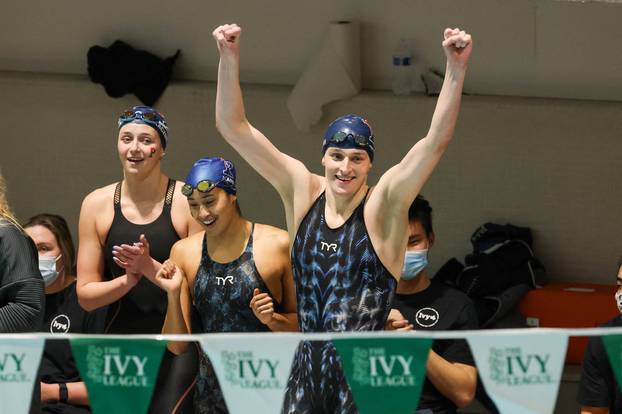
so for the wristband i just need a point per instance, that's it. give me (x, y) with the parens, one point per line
(63, 393)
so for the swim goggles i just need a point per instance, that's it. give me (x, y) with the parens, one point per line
(204, 186)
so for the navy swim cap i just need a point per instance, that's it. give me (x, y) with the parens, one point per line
(210, 172)
(350, 131)
(148, 116)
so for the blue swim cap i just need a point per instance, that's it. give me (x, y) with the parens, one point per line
(148, 116)
(350, 131)
(210, 172)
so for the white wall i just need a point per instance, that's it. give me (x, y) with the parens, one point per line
(553, 165)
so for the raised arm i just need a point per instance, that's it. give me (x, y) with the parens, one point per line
(93, 291)
(400, 185)
(285, 173)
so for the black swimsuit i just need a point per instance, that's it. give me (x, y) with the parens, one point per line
(142, 309)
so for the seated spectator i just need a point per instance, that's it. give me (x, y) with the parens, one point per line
(21, 287)
(451, 375)
(599, 392)
(62, 389)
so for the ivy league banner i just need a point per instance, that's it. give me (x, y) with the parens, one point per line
(252, 372)
(19, 363)
(613, 347)
(521, 372)
(119, 374)
(385, 374)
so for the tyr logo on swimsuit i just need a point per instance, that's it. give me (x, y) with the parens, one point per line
(224, 280)
(327, 247)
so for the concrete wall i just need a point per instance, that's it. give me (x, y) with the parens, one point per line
(552, 165)
(545, 48)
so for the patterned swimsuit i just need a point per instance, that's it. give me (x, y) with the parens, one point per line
(341, 286)
(223, 292)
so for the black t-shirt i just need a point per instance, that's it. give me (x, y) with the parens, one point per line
(440, 308)
(63, 315)
(598, 386)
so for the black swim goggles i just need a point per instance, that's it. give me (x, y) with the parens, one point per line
(204, 186)
(361, 140)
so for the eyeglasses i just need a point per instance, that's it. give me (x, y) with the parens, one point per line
(146, 115)
(361, 140)
(204, 186)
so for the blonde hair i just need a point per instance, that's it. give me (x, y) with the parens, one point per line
(6, 215)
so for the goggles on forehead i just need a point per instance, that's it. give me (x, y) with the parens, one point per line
(362, 140)
(131, 114)
(203, 186)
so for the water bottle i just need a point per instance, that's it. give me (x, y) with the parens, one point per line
(402, 69)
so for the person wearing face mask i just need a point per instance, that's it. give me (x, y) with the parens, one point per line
(62, 389)
(599, 392)
(451, 376)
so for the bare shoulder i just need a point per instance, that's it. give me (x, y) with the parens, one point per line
(182, 219)
(379, 209)
(180, 201)
(186, 253)
(318, 186)
(97, 213)
(100, 197)
(188, 243)
(187, 247)
(315, 185)
(272, 236)
(177, 195)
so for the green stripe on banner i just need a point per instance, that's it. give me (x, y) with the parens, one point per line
(119, 374)
(613, 346)
(385, 374)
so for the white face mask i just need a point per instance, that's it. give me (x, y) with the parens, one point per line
(47, 267)
(414, 262)
(619, 300)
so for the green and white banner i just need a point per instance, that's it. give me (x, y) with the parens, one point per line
(384, 374)
(252, 374)
(119, 374)
(521, 372)
(613, 346)
(19, 363)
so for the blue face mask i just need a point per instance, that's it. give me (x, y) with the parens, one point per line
(47, 267)
(414, 262)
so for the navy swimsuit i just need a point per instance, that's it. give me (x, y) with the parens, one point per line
(341, 286)
(223, 293)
